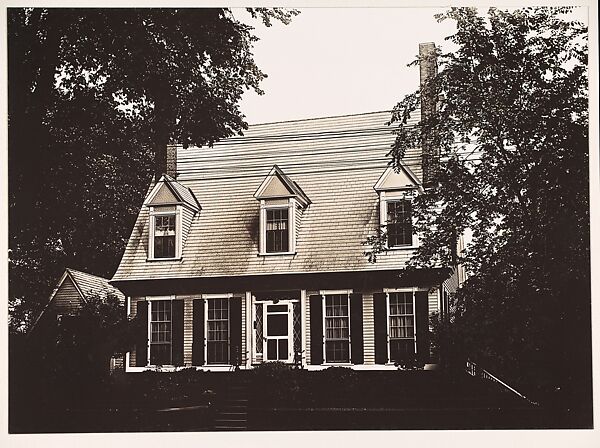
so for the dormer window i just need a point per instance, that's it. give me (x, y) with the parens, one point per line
(399, 222)
(396, 191)
(164, 236)
(172, 209)
(282, 202)
(277, 230)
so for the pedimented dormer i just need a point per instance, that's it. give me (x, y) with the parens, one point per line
(172, 208)
(282, 203)
(396, 191)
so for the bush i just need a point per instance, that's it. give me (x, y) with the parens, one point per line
(276, 384)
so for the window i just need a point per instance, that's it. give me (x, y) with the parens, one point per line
(337, 328)
(399, 223)
(217, 337)
(160, 332)
(164, 236)
(401, 325)
(277, 230)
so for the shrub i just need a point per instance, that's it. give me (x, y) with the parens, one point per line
(276, 384)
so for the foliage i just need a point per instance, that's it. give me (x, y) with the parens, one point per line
(512, 130)
(276, 383)
(81, 345)
(94, 94)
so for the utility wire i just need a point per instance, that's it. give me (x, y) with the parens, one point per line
(237, 174)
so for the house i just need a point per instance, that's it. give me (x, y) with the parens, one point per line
(253, 251)
(74, 289)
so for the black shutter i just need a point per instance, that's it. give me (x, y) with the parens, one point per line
(198, 333)
(141, 339)
(422, 318)
(380, 312)
(356, 326)
(235, 331)
(316, 329)
(177, 327)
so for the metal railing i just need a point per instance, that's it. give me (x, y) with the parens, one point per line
(474, 370)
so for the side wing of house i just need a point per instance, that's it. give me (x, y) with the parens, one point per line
(65, 300)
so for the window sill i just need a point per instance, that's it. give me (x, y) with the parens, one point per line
(164, 259)
(270, 254)
(402, 247)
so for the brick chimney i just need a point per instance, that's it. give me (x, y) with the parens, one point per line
(427, 71)
(166, 161)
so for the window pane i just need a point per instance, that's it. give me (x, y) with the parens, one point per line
(399, 223)
(401, 349)
(271, 348)
(160, 332)
(402, 326)
(217, 340)
(164, 236)
(337, 351)
(283, 349)
(277, 232)
(336, 328)
(277, 324)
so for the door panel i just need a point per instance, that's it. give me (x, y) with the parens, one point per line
(278, 330)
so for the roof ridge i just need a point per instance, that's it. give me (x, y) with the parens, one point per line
(85, 273)
(321, 118)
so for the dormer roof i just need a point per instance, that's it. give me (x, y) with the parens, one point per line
(278, 185)
(168, 191)
(396, 180)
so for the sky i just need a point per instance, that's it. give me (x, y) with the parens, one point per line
(337, 61)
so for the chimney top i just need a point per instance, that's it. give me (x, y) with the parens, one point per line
(166, 161)
(428, 70)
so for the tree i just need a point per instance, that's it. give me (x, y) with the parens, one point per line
(94, 95)
(511, 127)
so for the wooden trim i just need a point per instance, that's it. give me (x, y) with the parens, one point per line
(249, 313)
(178, 233)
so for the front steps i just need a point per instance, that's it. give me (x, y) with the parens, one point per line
(232, 409)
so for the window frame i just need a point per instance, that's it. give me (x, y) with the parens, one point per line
(150, 301)
(207, 298)
(324, 294)
(385, 197)
(159, 211)
(265, 205)
(412, 291)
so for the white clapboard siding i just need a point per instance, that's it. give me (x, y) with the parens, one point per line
(368, 328)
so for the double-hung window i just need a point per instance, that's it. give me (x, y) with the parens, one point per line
(217, 331)
(401, 315)
(337, 328)
(277, 230)
(160, 332)
(399, 223)
(164, 236)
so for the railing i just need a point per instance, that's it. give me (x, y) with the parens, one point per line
(476, 371)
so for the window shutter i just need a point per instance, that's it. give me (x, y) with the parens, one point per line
(177, 326)
(198, 332)
(380, 311)
(356, 327)
(316, 329)
(422, 318)
(141, 339)
(235, 331)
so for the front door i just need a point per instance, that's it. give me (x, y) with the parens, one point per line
(278, 330)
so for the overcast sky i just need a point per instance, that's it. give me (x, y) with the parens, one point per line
(334, 61)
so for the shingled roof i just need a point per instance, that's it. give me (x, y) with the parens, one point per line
(336, 160)
(91, 286)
